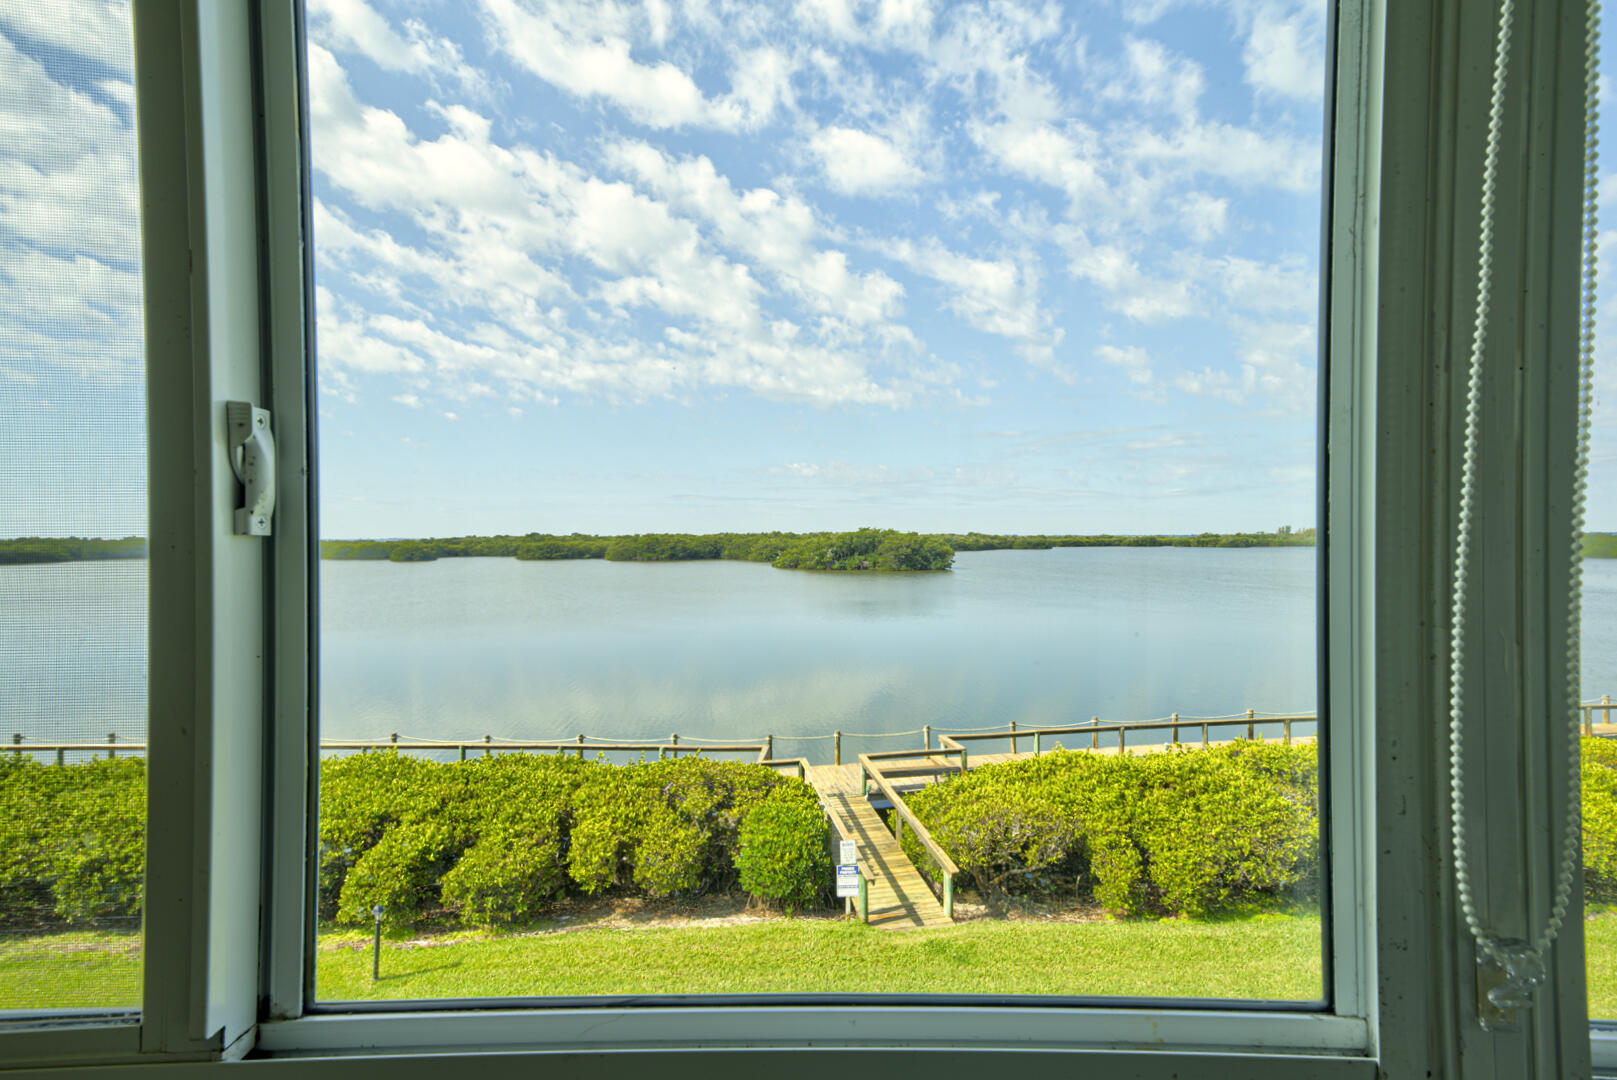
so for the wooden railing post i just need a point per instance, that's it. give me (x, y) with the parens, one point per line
(948, 896)
(1251, 728)
(16, 740)
(463, 751)
(1588, 719)
(1175, 719)
(1285, 728)
(864, 899)
(486, 740)
(1094, 738)
(61, 756)
(836, 748)
(769, 747)
(1605, 715)
(1013, 736)
(1204, 735)
(926, 736)
(112, 739)
(581, 746)
(1037, 735)
(1120, 740)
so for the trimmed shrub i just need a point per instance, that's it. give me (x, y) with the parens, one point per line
(518, 862)
(1002, 829)
(784, 855)
(1599, 775)
(1183, 831)
(363, 798)
(72, 840)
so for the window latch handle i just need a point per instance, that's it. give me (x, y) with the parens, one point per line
(252, 458)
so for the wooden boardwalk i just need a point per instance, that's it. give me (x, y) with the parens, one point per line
(900, 899)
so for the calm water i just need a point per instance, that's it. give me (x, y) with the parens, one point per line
(461, 648)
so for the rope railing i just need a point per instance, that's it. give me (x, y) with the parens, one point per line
(763, 745)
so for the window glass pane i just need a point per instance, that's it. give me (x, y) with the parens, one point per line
(72, 511)
(992, 327)
(1599, 630)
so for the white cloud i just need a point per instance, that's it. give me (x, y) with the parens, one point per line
(1284, 47)
(1277, 369)
(997, 296)
(1133, 359)
(96, 29)
(869, 23)
(586, 50)
(1174, 440)
(496, 217)
(859, 163)
(838, 472)
(1204, 217)
(777, 232)
(1249, 285)
(70, 290)
(355, 26)
(1157, 79)
(1220, 385)
(408, 400)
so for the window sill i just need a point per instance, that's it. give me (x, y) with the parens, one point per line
(1340, 1041)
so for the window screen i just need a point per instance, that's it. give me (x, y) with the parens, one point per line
(73, 582)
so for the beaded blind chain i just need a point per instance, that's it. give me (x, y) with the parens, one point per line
(1519, 965)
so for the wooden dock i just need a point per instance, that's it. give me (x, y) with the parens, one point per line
(900, 898)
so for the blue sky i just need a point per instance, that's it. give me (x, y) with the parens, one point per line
(622, 267)
(629, 266)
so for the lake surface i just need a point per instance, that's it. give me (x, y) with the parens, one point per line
(461, 648)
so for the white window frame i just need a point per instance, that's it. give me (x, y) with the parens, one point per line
(232, 736)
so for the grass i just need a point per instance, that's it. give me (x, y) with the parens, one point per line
(1265, 955)
(81, 969)
(1600, 960)
(1270, 955)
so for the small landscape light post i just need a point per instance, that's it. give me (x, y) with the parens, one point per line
(376, 951)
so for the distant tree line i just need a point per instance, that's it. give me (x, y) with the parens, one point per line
(1285, 536)
(55, 549)
(863, 549)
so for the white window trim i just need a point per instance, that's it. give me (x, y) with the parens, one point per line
(219, 987)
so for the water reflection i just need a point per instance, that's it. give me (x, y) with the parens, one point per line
(463, 648)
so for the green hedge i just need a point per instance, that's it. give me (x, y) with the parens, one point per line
(72, 841)
(785, 850)
(1183, 832)
(1600, 819)
(495, 839)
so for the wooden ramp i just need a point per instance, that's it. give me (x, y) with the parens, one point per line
(899, 897)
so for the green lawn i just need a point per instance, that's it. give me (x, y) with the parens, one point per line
(1266, 956)
(1600, 954)
(82, 969)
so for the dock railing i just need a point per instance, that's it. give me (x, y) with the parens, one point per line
(581, 745)
(871, 771)
(1174, 725)
(763, 748)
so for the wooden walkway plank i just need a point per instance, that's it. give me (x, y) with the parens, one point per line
(899, 897)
